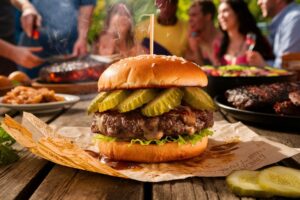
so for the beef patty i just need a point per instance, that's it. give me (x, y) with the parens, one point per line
(133, 125)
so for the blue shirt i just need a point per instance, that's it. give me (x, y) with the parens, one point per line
(58, 32)
(285, 32)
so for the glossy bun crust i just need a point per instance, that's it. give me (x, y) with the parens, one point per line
(20, 77)
(151, 71)
(151, 153)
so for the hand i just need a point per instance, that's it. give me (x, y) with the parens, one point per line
(194, 42)
(30, 19)
(255, 58)
(24, 56)
(80, 47)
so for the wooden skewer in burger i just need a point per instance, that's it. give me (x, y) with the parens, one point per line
(151, 108)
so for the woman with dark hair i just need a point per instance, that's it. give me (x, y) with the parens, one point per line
(237, 22)
(118, 34)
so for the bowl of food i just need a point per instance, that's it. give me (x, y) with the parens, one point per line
(226, 77)
(151, 108)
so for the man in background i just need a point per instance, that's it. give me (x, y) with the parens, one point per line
(204, 38)
(284, 30)
(170, 33)
(60, 27)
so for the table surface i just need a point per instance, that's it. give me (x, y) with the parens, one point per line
(35, 178)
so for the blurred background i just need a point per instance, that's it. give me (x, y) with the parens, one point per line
(141, 7)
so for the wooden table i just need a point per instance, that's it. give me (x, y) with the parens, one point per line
(35, 178)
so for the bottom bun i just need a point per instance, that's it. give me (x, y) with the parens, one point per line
(125, 151)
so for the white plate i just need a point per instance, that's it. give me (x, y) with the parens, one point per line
(43, 107)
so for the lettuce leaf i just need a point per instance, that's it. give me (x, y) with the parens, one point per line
(7, 153)
(5, 137)
(104, 138)
(181, 139)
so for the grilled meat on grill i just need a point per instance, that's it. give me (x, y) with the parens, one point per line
(295, 97)
(133, 125)
(287, 108)
(263, 96)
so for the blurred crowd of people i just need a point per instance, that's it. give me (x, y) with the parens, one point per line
(60, 27)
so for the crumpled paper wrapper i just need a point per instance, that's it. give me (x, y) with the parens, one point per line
(232, 147)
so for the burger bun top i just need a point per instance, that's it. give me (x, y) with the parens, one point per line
(151, 71)
(20, 77)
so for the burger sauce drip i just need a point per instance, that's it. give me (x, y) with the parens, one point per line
(118, 165)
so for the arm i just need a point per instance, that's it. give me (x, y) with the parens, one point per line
(21, 4)
(30, 17)
(194, 55)
(21, 55)
(289, 38)
(193, 51)
(255, 58)
(84, 19)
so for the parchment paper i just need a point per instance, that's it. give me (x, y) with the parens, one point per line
(232, 147)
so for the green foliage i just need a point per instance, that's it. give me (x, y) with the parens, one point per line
(7, 153)
(183, 7)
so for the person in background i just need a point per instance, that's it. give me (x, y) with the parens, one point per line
(118, 34)
(170, 33)
(204, 38)
(21, 55)
(236, 22)
(7, 29)
(284, 30)
(59, 26)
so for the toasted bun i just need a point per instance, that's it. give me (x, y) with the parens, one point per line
(5, 82)
(20, 77)
(148, 71)
(151, 153)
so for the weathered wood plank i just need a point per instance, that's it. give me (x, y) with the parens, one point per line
(193, 188)
(66, 183)
(15, 177)
(20, 178)
(77, 116)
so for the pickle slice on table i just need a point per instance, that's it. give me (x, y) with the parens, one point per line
(245, 183)
(166, 101)
(112, 100)
(198, 98)
(93, 107)
(281, 181)
(137, 99)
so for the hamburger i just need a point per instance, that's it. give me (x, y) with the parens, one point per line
(19, 77)
(151, 108)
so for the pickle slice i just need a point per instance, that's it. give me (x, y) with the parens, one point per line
(112, 100)
(166, 101)
(281, 181)
(245, 183)
(93, 107)
(198, 98)
(137, 99)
